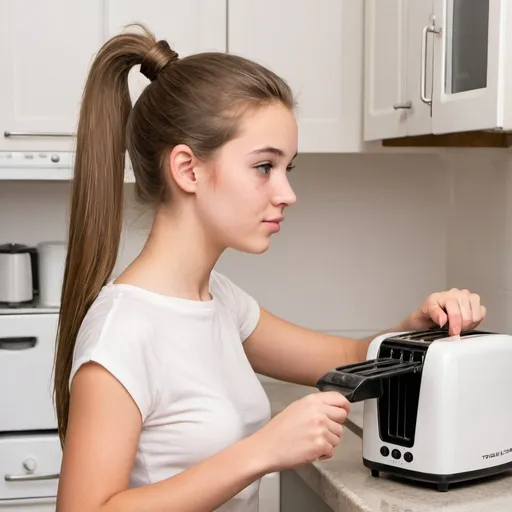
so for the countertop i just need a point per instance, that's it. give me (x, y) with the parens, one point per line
(345, 485)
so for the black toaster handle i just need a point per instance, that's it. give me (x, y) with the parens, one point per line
(361, 381)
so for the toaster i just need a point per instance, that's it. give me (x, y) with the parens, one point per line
(437, 408)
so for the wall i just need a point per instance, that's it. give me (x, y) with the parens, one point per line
(365, 243)
(480, 230)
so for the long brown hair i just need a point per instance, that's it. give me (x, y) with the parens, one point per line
(198, 101)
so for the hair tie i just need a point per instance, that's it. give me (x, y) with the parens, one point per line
(157, 58)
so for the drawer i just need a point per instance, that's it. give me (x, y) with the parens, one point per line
(29, 466)
(27, 351)
(29, 505)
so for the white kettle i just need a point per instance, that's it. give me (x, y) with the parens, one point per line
(18, 274)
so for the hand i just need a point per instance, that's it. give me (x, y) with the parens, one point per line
(306, 430)
(461, 308)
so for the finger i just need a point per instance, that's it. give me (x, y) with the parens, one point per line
(476, 308)
(332, 441)
(335, 428)
(454, 316)
(334, 398)
(337, 414)
(329, 452)
(438, 314)
(465, 309)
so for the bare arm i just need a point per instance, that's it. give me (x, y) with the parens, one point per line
(288, 352)
(100, 448)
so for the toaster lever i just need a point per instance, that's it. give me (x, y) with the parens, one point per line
(361, 381)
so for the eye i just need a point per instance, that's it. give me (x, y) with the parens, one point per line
(265, 168)
(290, 168)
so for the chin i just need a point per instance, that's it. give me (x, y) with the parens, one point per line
(253, 246)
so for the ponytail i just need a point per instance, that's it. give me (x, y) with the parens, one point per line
(96, 215)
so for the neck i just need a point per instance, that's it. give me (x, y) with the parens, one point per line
(177, 258)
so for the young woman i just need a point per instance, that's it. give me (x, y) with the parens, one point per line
(159, 407)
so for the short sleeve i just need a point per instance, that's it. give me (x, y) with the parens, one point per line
(123, 347)
(245, 307)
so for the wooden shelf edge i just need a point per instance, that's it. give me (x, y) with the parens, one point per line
(475, 139)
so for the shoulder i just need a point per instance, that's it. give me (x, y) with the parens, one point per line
(113, 318)
(117, 333)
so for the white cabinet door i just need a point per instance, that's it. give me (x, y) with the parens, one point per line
(189, 27)
(387, 102)
(468, 64)
(419, 52)
(318, 48)
(45, 52)
(393, 68)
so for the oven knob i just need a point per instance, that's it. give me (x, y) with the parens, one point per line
(30, 465)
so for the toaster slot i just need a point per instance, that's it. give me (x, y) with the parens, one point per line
(362, 381)
(398, 404)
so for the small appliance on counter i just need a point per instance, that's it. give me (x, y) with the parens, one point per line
(437, 409)
(18, 275)
(52, 261)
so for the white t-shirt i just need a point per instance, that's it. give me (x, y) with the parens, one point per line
(183, 363)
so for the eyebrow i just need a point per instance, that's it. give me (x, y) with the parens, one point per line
(270, 149)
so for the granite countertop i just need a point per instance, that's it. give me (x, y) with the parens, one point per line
(345, 484)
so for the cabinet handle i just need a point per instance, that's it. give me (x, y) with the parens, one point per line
(406, 105)
(423, 82)
(37, 134)
(31, 478)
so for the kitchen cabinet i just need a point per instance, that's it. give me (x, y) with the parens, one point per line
(318, 48)
(189, 27)
(297, 496)
(436, 67)
(393, 78)
(45, 51)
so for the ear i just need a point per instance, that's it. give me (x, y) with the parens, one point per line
(183, 166)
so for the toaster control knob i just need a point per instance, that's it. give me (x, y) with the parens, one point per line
(408, 456)
(396, 454)
(384, 451)
(29, 465)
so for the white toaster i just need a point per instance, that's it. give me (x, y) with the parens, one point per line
(437, 408)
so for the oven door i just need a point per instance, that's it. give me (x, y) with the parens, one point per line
(27, 350)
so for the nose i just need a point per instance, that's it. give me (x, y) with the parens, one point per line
(284, 194)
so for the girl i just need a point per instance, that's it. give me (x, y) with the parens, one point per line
(159, 407)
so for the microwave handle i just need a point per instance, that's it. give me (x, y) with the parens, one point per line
(18, 343)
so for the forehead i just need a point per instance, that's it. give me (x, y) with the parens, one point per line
(269, 126)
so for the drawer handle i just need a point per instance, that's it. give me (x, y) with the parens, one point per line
(31, 478)
(8, 134)
(18, 343)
